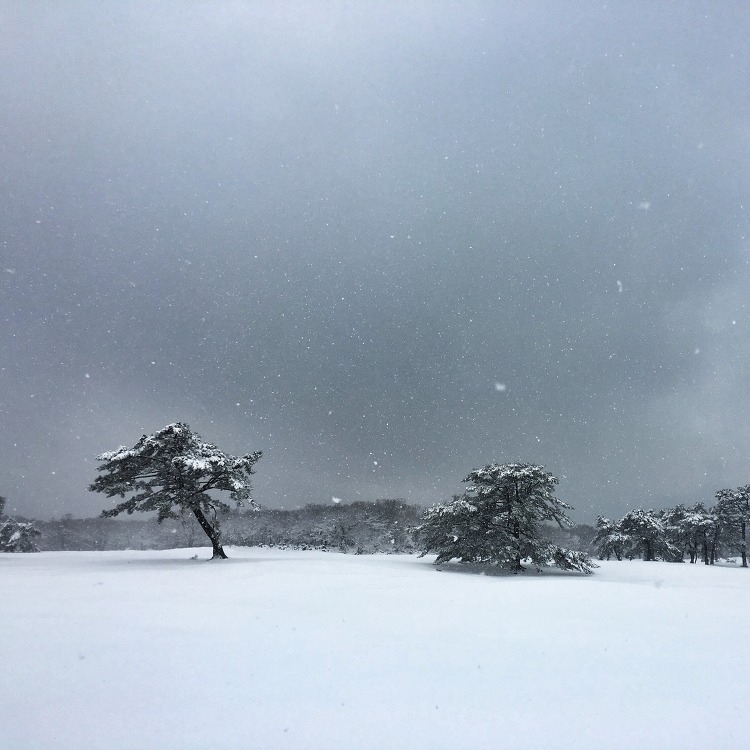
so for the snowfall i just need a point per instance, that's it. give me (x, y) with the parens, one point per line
(277, 649)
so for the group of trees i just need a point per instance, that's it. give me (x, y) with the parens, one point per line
(680, 533)
(502, 518)
(97, 534)
(498, 519)
(177, 474)
(16, 536)
(174, 472)
(386, 525)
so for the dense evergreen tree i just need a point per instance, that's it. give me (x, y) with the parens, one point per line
(701, 527)
(498, 520)
(679, 535)
(16, 536)
(610, 539)
(172, 471)
(733, 513)
(647, 535)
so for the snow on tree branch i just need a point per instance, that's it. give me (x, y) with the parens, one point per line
(172, 471)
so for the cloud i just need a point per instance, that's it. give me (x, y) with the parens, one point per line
(439, 236)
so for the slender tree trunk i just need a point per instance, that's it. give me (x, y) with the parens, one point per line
(715, 542)
(212, 534)
(517, 567)
(744, 544)
(648, 554)
(705, 550)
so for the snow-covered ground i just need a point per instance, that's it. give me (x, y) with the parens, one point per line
(307, 650)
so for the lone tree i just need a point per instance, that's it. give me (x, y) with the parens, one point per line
(175, 471)
(498, 520)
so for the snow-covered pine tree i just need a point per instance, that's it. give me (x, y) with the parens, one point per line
(701, 528)
(733, 511)
(175, 470)
(678, 533)
(609, 539)
(456, 530)
(647, 534)
(16, 536)
(498, 520)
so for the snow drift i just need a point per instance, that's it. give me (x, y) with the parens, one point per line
(291, 650)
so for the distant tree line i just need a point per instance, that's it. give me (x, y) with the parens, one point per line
(508, 516)
(382, 526)
(361, 527)
(680, 533)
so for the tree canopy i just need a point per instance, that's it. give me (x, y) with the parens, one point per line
(499, 520)
(175, 470)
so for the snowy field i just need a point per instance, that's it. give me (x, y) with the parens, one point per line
(307, 650)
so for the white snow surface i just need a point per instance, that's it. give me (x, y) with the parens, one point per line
(301, 650)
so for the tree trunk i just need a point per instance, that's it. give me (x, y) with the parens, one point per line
(212, 534)
(694, 551)
(517, 567)
(715, 537)
(648, 553)
(744, 544)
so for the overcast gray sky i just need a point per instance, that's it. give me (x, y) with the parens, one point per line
(385, 243)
